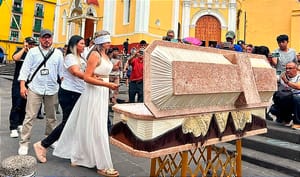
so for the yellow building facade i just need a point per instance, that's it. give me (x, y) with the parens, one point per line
(258, 22)
(21, 19)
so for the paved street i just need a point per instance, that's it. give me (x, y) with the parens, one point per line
(126, 164)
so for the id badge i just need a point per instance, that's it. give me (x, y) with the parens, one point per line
(44, 71)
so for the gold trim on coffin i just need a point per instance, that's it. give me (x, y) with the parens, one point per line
(221, 119)
(240, 118)
(199, 125)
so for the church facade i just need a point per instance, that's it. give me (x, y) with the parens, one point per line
(258, 22)
(255, 22)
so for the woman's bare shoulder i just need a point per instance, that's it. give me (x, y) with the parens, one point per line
(94, 58)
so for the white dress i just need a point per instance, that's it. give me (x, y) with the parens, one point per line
(85, 139)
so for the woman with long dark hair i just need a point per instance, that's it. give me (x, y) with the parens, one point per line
(70, 90)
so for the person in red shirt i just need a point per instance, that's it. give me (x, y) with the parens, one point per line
(136, 78)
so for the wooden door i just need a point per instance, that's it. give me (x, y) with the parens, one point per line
(208, 29)
(89, 28)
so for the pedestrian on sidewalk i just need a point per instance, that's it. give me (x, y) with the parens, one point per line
(85, 138)
(70, 90)
(42, 66)
(17, 112)
(114, 75)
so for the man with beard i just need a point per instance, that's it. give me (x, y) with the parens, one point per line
(42, 66)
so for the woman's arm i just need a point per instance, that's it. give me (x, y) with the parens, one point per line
(88, 77)
(75, 71)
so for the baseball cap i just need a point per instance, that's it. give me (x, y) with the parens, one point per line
(30, 40)
(45, 32)
(230, 34)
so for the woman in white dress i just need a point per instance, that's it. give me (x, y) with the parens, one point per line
(85, 138)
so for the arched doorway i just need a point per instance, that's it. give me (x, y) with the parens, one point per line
(208, 29)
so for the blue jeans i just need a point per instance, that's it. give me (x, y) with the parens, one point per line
(136, 87)
(67, 100)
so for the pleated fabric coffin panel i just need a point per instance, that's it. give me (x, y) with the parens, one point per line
(182, 79)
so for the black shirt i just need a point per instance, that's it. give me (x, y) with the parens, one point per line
(18, 66)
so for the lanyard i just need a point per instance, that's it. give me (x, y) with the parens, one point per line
(46, 54)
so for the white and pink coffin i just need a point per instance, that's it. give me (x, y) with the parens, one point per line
(194, 96)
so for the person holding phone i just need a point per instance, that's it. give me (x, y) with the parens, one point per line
(229, 44)
(17, 112)
(282, 55)
(136, 76)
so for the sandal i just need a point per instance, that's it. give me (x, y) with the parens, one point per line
(108, 172)
(40, 152)
(73, 164)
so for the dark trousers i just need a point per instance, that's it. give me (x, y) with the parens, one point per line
(17, 112)
(283, 106)
(67, 100)
(136, 87)
(296, 106)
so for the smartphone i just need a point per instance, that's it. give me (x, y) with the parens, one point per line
(275, 55)
(226, 45)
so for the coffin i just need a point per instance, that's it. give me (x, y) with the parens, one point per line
(194, 96)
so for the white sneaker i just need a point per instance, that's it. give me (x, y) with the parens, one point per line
(20, 128)
(288, 124)
(53, 146)
(23, 149)
(14, 134)
(273, 117)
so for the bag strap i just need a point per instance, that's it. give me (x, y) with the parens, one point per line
(41, 64)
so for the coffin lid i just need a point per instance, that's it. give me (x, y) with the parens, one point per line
(182, 79)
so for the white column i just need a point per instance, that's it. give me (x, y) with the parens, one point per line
(109, 16)
(56, 21)
(83, 27)
(142, 12)
(68, 30)
(232, 15)
(186, 18)
(95, 26)
(175, 15)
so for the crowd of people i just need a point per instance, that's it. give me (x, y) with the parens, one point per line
(78, 76)
(84, 75)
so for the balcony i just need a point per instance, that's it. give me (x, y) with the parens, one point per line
(12, 38)
(17, 9)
